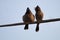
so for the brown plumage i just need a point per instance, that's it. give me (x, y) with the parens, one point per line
(39, 17)
(28, 18)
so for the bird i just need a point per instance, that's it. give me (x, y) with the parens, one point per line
(39, 17)
(28, 17)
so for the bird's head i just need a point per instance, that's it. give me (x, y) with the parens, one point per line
(37, 8)
(28, 10)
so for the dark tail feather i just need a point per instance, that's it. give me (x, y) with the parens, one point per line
(26, 27)
(37, 27)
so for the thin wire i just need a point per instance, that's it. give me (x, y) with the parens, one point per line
(44, 21)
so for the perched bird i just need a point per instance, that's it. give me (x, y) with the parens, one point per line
(39, 17)
(28, 18)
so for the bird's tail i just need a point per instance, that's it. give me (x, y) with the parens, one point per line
(37, 27)
(26, 27)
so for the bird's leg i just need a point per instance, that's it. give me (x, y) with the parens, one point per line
(26, 27)
(37, 27)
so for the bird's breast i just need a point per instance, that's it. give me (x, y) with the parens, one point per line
(28, 18)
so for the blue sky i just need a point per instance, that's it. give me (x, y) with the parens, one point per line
(11, 11)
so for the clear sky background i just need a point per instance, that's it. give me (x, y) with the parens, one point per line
(11, 11)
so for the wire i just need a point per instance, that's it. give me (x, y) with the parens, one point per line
(44, 21)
